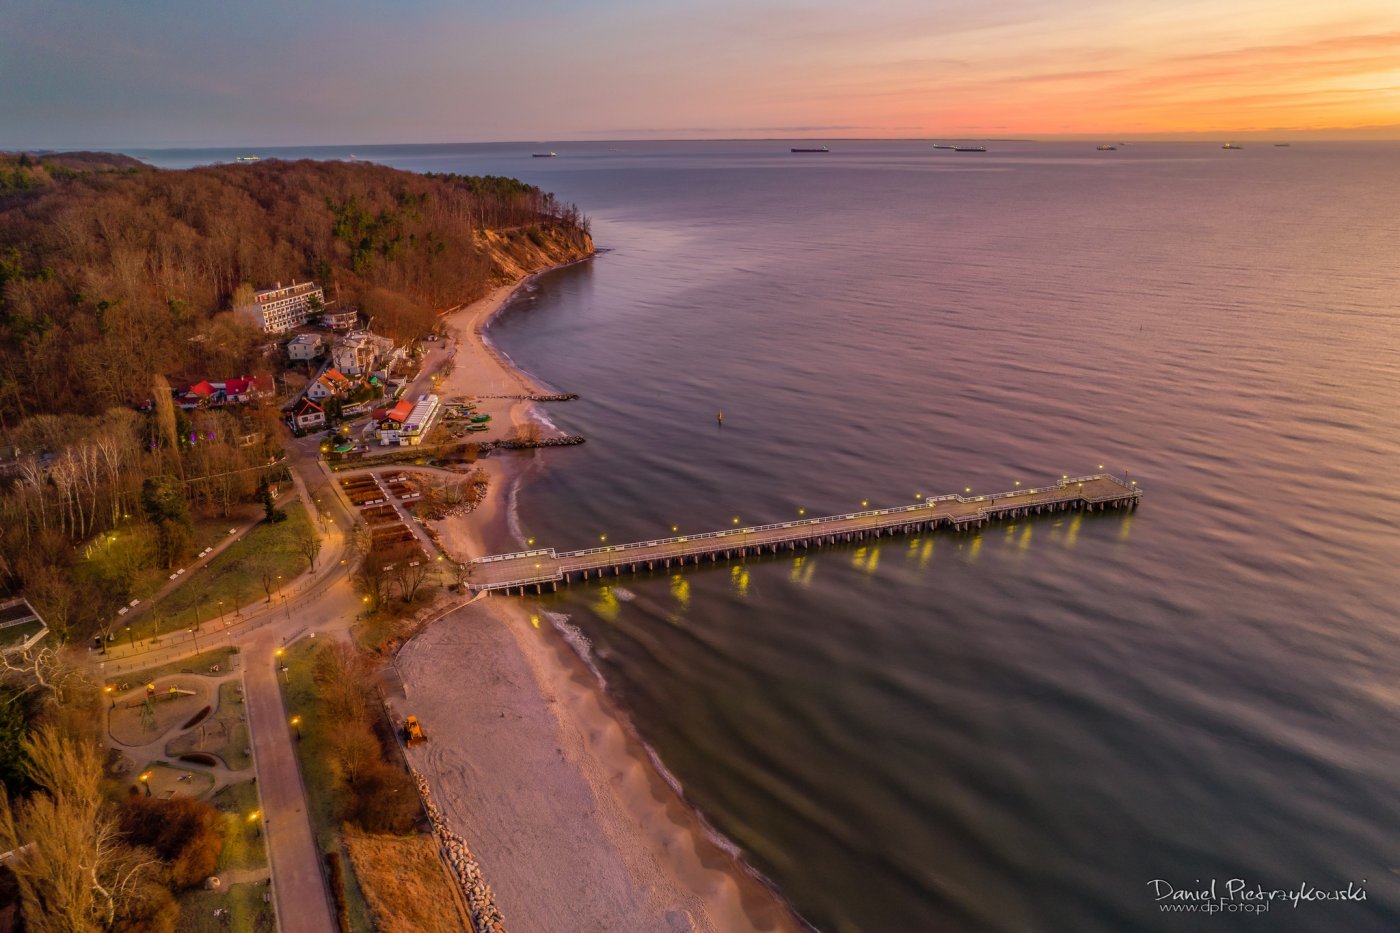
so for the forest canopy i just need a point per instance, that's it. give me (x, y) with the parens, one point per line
(112, 272)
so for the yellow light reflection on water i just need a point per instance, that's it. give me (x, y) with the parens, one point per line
(926, 553)
(1126, 527)
(680, 589)
(739, 575)
(975, 548)
(607, 605)
(874, 560)
(535, 620)
(859, 556)
(1073, 532)
(1025, 542)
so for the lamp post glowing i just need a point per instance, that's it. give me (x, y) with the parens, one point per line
(221, 613)
(865, 503)
(111, 694)
(146, 781)
(296, 724)
(131, 637)
(194, 633)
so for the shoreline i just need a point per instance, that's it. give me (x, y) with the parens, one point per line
(652, 859)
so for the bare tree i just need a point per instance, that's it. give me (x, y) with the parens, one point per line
(309, 543)
(75, 873)
(353, 749)
(45, 667)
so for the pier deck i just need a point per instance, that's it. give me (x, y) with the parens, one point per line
(541, 569)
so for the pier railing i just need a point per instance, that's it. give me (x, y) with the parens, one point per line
(550, 565)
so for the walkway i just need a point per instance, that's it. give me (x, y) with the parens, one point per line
(299, 886)
(541, 568)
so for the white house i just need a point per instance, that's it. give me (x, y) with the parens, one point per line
(305, 347)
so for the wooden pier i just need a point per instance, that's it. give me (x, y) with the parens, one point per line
(540, 570)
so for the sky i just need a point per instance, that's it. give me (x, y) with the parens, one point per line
(156, 73)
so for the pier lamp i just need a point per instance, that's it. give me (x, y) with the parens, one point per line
(736, 519)
(1100, 466)
(918, 497)
(675, 528)
(1018, 482)
(529, 542)
(967, 489)
(296, 724)
(146, 781)
(801, 511)
(865, 503)
(602, 537)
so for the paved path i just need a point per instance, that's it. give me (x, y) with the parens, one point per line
(299, 885)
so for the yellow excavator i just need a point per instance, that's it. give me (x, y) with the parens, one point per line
(412, 732)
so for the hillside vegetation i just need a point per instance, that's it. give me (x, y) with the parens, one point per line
(111, 271)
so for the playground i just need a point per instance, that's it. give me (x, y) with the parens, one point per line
(147, 711)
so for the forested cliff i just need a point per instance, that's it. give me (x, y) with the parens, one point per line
(112, 271)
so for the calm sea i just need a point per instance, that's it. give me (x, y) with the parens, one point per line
(1046, 725)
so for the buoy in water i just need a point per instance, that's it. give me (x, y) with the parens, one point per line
(719, 418)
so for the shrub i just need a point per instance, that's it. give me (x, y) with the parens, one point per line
(185, 834)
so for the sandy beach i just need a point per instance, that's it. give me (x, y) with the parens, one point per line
(533, 764)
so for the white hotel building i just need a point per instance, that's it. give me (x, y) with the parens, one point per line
(281, 308)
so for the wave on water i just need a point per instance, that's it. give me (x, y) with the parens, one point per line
(581, 644)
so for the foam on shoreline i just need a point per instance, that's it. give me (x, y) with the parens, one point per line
(649, 832)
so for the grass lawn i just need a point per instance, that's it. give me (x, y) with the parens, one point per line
(247, 913)
(408, 888)
(232, 577)
(323, 798)
(244, 845)
(223, 658)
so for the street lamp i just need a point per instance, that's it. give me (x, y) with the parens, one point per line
(865, 503)
(131, 637)
(194, 633)
(146, 781)
(296, 724)
(221, 613)
(111, 694)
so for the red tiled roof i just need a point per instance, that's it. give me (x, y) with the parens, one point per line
(203, 388)
(400, 411)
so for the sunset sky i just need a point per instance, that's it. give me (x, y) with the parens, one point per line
(266, 72)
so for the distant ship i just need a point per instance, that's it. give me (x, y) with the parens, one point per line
(1281, 145)
(1107, 148)
(1231, 146)
(822, 149)
(969, 148)
(248, 158)
(943, 146)
(545, 155)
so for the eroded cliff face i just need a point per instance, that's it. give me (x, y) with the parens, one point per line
(519, 252)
